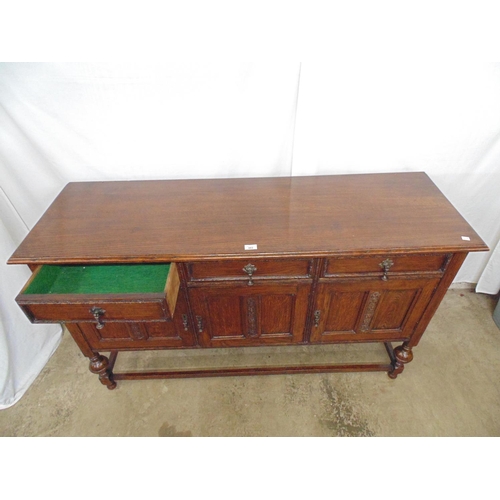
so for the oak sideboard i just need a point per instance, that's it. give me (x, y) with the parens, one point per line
(220, 263)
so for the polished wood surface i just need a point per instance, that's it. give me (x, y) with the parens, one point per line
(363, 310)
(399, 263)
(339, 259)
(182, 220)
(245, 315)
(234, 269)
(79, 307)
(261, 370)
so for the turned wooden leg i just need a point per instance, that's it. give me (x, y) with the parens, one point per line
(100, 366)
(402, 355)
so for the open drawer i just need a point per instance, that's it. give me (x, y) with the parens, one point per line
(100, 293)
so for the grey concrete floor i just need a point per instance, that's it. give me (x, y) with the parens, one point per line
(451, 388)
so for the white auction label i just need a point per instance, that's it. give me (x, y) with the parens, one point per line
(250, 247)
(465, 238)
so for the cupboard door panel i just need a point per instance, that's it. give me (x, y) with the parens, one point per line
(342, 310)
(222, 315)
(243, 315)
(362, 310)
(393, 308)
(276, 314)
(135, 336)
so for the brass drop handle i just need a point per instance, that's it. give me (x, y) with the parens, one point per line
(185, 322)
(98, 313)
(317, 316)
(199, 320)
(386, 265)
(250, 269)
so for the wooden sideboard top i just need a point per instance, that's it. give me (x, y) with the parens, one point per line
(163, 220)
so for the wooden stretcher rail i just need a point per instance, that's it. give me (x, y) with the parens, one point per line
(262, 370)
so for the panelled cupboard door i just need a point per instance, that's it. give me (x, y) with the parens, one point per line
(364, 310)
(132, 335)
(250, 315)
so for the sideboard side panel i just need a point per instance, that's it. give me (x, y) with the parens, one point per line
(80, 339)
(450, 273)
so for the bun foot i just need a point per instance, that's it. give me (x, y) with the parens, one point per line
(402, 355)
(100, 366)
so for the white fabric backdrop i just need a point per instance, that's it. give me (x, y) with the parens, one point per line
(24, 349)
(92, 121)
(444, 120)
(71, 122)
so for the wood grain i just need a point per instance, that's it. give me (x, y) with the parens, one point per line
(353, 258)
(182, 220)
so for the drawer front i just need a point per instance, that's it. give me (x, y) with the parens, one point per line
(243, 269)
(100, 293)
(98, 310)
(379, 264)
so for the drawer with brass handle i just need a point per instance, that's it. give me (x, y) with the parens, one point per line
(100, 293)
(249, 269)
(385, 265)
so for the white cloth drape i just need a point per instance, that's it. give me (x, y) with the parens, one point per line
(24, 349)
(71, 122)
(489, 282)
(444, 120)
(63, 122)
